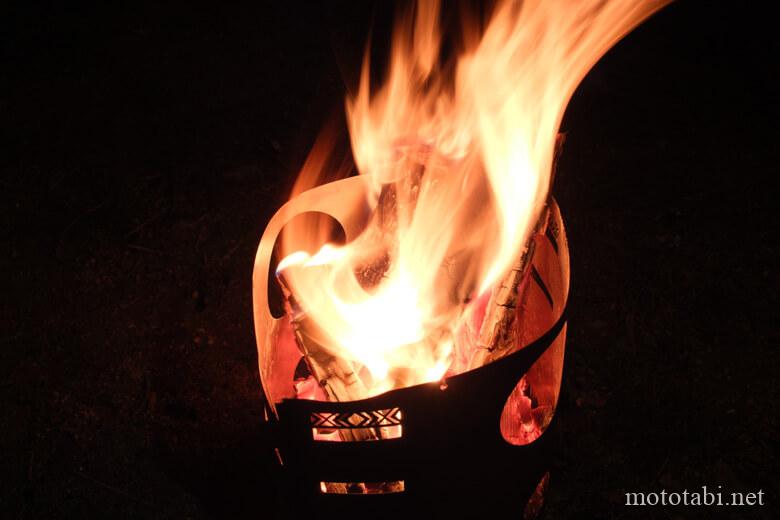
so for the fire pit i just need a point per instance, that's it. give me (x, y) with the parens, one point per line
(418, 360)
(472, 435)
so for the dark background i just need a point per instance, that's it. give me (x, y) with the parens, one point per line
(144, 148)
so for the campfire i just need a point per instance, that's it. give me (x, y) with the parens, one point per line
(420, 352)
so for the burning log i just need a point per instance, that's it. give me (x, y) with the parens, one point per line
(496, 334)
(395, 206)
(335, 375)
(394, 209)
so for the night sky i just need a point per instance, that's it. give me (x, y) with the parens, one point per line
(144, 148)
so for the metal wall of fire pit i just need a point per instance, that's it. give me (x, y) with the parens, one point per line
(451, 456)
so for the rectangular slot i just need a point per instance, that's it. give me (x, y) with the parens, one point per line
(362, 488)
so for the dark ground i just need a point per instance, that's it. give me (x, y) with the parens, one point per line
(144, 150)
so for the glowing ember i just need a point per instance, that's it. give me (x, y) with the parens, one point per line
(459, 157)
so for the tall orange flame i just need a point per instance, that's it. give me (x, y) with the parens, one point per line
(460, 167)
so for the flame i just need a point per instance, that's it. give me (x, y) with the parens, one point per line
(459, 156)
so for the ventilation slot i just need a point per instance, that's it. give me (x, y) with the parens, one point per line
(362, 488)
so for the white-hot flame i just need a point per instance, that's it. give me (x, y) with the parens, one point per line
(460, 159)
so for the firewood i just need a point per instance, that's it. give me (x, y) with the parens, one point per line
(335, 375)
(394, 210)
(496, 334)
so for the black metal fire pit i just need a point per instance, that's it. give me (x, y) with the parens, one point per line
(449, 456)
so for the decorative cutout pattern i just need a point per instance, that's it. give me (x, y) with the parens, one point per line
(369, 425)
(368, 419)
